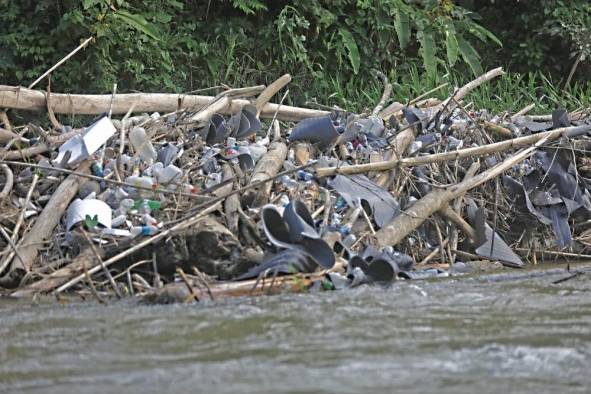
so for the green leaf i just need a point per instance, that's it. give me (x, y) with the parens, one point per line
(352, 50)
(483, 34)
(428, 53)
(90, 222)
(138, 22)
(451, 44)
(402, 26)
(469, 55)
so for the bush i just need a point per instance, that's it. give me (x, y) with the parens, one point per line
(329, 46)
(173, 45)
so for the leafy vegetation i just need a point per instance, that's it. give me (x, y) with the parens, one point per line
(329, 46)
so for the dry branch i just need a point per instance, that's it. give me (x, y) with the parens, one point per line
(453, 155)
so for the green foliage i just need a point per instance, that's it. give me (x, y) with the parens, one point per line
(541, 35)
(174, 45)
(90, 222)
(329, 46)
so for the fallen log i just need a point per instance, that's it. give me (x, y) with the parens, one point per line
(47, 221)
(267, 167)
(16, 97)
(179, 292)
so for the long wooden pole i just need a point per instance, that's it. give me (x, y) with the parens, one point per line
(453, 155)
(94, 104)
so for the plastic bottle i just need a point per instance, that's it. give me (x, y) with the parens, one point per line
(167, 174)
(340, 204)
(146, 184)
(184, 188)
(124, 206)
(142, 144)
(118, 221)
(288, 182)
(148, 220)
(97, 169)
(305, 176)
(143, 230)
(120, 194)
(213, 179)
(147, 206)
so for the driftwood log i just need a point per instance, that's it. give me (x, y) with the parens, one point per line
(48, 219)
(90, 104)
(453, 155)
(267, 167)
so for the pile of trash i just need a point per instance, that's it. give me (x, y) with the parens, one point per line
(223, 199)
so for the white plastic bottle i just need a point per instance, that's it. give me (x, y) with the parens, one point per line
(142, 144)
(143, 230)
(146, 184)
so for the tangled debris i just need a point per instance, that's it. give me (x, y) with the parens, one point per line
(212, 200)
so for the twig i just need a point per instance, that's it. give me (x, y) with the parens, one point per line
(65, 59)
(418, 98)
(385, 94)
(14, 248)
(105, 270)
(55, 123)
(92, 288)
(8, 182)
(192, 292)
(434, 252)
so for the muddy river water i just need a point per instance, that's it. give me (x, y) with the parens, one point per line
(497, 334)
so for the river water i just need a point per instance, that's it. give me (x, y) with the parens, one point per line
(495, 335)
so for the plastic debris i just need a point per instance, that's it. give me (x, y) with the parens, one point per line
(233, 204)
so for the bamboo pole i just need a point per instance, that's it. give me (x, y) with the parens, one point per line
(93, 104)
(453, 155)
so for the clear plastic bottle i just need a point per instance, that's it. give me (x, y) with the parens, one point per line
(124, 206)
(167, 174)
(143, 230)
(184, 188)
(142, 144)
(213, 179)
(118, 220)
(149, 220)
(288, 182)
(146, 184)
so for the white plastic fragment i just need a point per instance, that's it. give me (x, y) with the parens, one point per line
(82, 146)
(79, 209)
